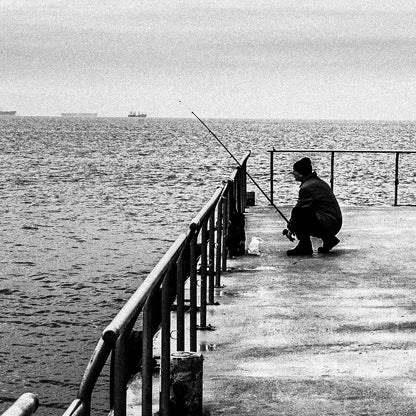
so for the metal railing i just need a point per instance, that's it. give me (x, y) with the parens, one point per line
(153, 301)
(25, 405)
(332, 152)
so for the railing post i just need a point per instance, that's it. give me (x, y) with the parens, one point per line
(211, 255)
(180, 303)
(332, 169)
(218, 248)
(203, 295)
(396, 179)
(192, 295)
(147, 358)
(165, 350)
(236, 191)
(271, 175)
(244, 186)
(224, 233)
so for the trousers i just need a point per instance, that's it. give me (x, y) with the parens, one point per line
(304, 223)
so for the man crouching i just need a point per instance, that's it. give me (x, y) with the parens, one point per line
(316, 213)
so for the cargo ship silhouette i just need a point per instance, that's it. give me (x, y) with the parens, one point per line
(134, 114)
(79, 114)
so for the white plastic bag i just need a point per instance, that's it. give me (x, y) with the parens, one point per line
(254, 246)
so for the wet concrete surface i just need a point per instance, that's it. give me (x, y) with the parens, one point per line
(327, 334)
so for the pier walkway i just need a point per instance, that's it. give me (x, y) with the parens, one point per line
(329, 334)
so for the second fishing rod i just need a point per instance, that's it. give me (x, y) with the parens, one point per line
(248, 175)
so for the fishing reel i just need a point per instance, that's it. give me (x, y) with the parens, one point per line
(285, 232)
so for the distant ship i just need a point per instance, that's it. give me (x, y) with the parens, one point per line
(7, 113)
(79, 114)
(134, 114)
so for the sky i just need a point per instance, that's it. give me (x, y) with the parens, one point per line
(303, 59)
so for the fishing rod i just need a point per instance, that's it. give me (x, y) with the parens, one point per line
(249, 176)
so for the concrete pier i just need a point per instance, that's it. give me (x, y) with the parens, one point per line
(327, 334)
(330, 334)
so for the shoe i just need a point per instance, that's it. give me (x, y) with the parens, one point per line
(329, 244)
(302, 249)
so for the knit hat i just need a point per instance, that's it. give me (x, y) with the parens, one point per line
(303, 166)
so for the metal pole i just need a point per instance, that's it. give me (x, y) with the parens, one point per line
(332, 169)
(237, 190)
(204, 240)
(218, 248)
(224, 234)
(147, 357)
(271, 175)
(396, 181)
(192, 296)
(25, 405)
(244, 184)
(211, 247)
(165, 353)
(180, 304)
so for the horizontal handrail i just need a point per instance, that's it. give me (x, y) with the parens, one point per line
(397, 154)
(25, 405)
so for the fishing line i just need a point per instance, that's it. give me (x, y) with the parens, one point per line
(239, 164)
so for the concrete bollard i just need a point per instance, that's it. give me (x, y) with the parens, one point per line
(186, 383)
(251, 199)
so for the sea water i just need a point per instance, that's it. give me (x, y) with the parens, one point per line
(88, 207)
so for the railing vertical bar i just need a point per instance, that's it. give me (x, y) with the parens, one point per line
(111, 380)
(193, 296)
(396, 179)
(224, 233)
(211, 255)
(180, 304)
(271, 176)
(237, 192)
(147, 359)
(203, 295)
(218, 248)
(243, 184)
(165, 350)
(241, 187)
(332, 169)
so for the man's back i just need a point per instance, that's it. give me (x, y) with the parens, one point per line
(316, 194)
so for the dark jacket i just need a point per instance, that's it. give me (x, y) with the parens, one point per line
(316, 195)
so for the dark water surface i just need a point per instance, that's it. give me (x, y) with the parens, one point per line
(88, 207)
